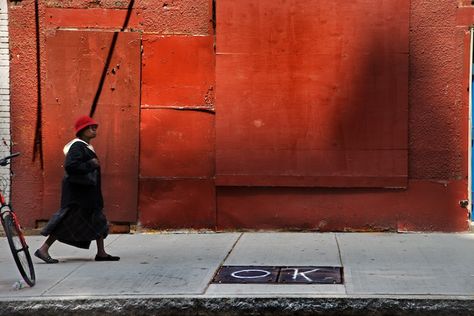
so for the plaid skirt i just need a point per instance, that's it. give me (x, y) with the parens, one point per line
(77, 226)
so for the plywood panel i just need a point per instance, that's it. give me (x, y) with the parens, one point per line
(177, 203)
(312, 93)
(176, 143)
(178, 71)
(75, 60)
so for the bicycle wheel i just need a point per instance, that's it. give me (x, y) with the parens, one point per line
(19, 248)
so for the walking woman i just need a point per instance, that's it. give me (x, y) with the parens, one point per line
(80, 218)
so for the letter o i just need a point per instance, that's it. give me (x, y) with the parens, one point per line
(264, 274)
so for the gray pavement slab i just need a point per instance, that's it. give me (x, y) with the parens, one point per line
(151, 264)
(408, 264)
(47, 275)
(286, 249)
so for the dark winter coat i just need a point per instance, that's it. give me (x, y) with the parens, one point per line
(80, 218)
(78, 161)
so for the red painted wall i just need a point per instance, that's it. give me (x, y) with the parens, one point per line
(69, 90)
(177, 125)
(315, 93)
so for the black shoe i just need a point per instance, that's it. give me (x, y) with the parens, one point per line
(107, 258)
(46, 258)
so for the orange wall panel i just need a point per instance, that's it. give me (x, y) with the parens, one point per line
(314, 92)
(176, 143)
(174, 204)
(69, 92)
(178, 71)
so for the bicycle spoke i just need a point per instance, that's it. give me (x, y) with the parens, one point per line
(21, 250)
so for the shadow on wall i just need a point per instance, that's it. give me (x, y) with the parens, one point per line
(323, 97)
(352, 104)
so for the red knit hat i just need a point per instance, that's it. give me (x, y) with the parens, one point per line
(83, 122)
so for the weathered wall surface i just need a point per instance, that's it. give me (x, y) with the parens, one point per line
(437, 105)
(437, 138)
(27, 186)
(177, 34)
(177, 124)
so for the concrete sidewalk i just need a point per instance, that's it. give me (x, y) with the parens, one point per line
(171, 274)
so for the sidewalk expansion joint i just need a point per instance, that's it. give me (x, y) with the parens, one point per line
(338, 250)
(222, 262)
(62, 279)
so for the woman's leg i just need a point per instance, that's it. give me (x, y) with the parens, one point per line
(45, 246)
(101, 254)
(100, 247)
(43, 251)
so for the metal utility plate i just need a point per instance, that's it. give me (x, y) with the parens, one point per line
(272, 274)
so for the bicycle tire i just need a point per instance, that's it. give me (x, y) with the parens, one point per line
(19, 248)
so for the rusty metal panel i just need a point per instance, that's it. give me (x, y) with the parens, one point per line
(312, 93)
(177, 203)
(178, 71)
(74, 63)
(176, 143)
